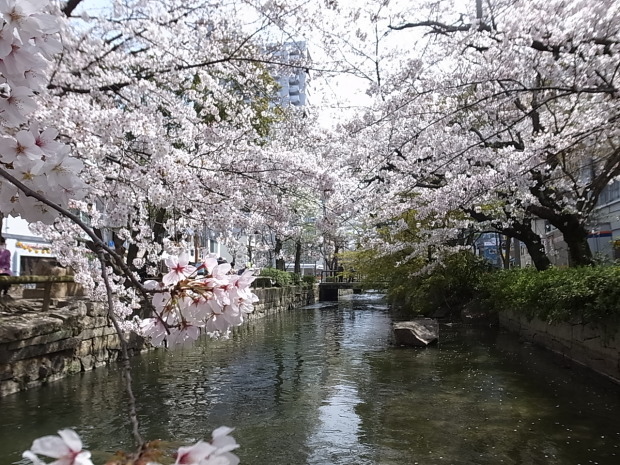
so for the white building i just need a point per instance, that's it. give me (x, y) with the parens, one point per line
(26, 248)
(292, 75)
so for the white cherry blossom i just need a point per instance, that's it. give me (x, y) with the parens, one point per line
(179, 269)
(66, 448)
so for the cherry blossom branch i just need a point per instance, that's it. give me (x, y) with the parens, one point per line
(133, 416)
(438, 27)
(96, 240)
(435, 25)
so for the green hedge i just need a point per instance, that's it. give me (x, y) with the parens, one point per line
(281, 278)
(309, 280)
(557, 294)
(589, 294)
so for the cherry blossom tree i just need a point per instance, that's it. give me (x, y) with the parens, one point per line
(192, 143)
(142, 134)
(493, 118)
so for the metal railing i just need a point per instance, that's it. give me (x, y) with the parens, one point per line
(335, 276)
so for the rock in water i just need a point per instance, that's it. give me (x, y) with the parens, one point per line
(417, 333)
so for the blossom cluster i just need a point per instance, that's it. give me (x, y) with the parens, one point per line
(31, 154)
(193, 299)
(67, 449)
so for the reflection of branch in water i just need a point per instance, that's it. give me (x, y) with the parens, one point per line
(133, 416)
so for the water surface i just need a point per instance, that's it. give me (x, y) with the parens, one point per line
(324, 385)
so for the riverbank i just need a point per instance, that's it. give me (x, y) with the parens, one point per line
(76, 335)
(593, 345)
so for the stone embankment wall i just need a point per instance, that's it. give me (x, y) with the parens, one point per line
(596, 346)
(76, 335)
(279, 299)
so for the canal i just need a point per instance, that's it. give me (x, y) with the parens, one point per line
(323, 385)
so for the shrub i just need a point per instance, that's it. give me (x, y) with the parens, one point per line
(558, 294)
(295, 278)
(281, 278)
(309, 280)
(262, 281)
(449, 286)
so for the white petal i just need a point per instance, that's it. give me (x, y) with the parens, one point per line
(33, 458)
(221, 431)
(51, 446)
(170, 279)
(83, 458)
(71, 439)
(184, 259)
(225, 444)
(25, 138)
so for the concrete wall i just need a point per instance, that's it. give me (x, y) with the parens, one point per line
(596, 346)
(331, 292)
(36, 347)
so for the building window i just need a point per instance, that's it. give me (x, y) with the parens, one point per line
(610, 193)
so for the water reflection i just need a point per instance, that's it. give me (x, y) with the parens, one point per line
(323, 385)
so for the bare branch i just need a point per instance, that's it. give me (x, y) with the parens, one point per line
(435, 25)
(133, 415)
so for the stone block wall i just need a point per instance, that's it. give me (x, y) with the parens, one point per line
(278, 299)
(37, 347)
(596, 346)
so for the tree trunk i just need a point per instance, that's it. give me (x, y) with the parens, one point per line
(507, 252)
(532, 242)
(335, 261)
(521, 230)
(574, 231)
(280, 264)
(576, 238)
(516, 246)
(298, 256)
(571, 225)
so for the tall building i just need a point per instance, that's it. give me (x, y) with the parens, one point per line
(292, 75)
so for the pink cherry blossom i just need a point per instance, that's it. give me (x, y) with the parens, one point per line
(224, 444)
(15, 109)
(217, 452)
(6, 41)
(155, 330)
(23, 145)
(66, 448)
(22, 15)
(46, 140)
(193, 455)
(22, 58)
(209, 264)
(179, 269)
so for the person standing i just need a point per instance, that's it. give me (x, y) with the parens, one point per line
(5, 265)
